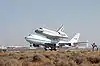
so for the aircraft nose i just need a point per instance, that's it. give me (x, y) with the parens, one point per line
(25, 37)
(36, 31)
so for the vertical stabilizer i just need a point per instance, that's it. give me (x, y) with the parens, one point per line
(60, 29)
(75, 38)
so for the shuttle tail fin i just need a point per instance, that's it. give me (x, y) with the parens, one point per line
(75, 38)
(60, 29)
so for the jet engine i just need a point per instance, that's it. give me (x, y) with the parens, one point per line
(35, 45)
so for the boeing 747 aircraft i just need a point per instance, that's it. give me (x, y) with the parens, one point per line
(36, 41)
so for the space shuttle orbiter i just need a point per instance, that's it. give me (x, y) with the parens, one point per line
(52, 34)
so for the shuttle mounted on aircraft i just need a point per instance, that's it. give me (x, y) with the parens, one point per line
(51, 39)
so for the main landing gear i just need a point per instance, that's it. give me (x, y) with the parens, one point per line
(52, 47)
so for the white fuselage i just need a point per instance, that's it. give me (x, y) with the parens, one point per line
(39, 40)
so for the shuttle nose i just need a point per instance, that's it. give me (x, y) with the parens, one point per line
(39, 31)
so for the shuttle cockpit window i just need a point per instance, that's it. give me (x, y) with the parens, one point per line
(40, 28)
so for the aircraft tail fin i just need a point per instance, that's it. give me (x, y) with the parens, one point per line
(60, 29)
(75, 38)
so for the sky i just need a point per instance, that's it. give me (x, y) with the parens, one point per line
(18, 18)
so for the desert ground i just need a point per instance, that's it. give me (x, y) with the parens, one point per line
(51, 58)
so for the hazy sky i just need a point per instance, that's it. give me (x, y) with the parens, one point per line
(18, 18)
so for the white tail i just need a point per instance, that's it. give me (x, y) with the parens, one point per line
(75, 38)
(60, 31)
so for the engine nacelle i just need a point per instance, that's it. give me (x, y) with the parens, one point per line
(35, 45)
(69, 44)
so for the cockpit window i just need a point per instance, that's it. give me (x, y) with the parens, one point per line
(40, 28)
